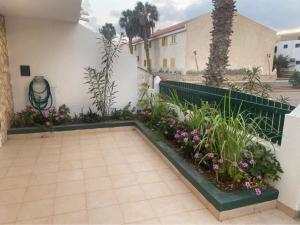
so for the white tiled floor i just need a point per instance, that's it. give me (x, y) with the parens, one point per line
(102, 176)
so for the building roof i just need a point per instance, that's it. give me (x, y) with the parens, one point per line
(63, 10)
(173, 28)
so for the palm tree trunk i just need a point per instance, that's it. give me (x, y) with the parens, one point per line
(222, 17)
(146, 47)
(130, 45)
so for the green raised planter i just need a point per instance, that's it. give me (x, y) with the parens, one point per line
(222, 201)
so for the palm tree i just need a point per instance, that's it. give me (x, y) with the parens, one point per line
(108, 31)
(222, 16)
(147, 15)
(130, 23)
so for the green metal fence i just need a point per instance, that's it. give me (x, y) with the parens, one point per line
(273, 112)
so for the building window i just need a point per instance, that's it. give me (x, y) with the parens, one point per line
(173, 39)
(297, 62)
(172, 64)
(135, 48)
(297, 45)
(150, 62)
(145, 63)
(164, 41)
(275, 50)
(138, 58)
(165, 63)
(150, 44)
(285, 46)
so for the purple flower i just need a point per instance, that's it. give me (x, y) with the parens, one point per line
(206, 145)
(243, 164)
(216, 167)
(210, 155)
(184, 134)
(197, 155)
(196, 138)
(52, 109)
(46, 114)
(247, 184)
(252, 162)
(171, 122)
(177, 136)
(194, 132)
(258, 191)
(259, 177)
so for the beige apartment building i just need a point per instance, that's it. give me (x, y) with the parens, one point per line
(185, 46)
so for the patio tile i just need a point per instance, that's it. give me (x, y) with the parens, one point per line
(8, 213)
(42, 168)
(40, 192)
(167, 206)
(137, 211)
(130, 194)
(100, 171)
(39, 179)
(177, 187)
(19, 171)
(148, 177)
(190, 202)
(118, 169)
(69, 175)
(100, 183)
(153, 221)
(80, 217)
(14, 182)
(182, 218)
(124, 180)
(106, 215)
(45, 220)
(101, 199)
(70, 165)
(69, 203)
(93, 162)
(167, 174)
(12, 196)
(36, 209)
(203, 216)
(70, 188)
(155, 190)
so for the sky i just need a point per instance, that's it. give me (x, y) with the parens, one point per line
(276, 14)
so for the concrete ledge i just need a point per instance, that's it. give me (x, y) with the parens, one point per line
(223, 205)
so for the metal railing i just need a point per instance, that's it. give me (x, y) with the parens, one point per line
(273, 112)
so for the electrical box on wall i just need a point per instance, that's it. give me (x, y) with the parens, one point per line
(25, 70)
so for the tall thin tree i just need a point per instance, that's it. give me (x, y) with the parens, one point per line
(222, 17)
(130, 24)
(147, 15)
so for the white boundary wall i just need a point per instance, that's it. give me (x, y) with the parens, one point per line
(60, 51)
(289, 157)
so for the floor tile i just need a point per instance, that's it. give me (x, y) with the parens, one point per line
(44, 220)
(124, 180)
(106, 215)
(69, 203)
(80, 217)
(182, 218)
(8, 213)
(34, 193)
(118, 169)
(69, 175)
(93, 162)
(203, 216)
(156, 190)
(70, 188)
(148, 177)
(40, 179)
(177, 187)
(94, 172)
(101, 198)
(12, 196)
(129, 194)
(36, 209)
(167, 206)
(100, 183)
(137, 211)
(190, 202)
(14, 182)
(70, 165)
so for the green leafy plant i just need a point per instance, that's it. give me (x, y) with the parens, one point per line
(295, 79)
(124, 114)
(101, 86)
(280, 62)
(89, 117)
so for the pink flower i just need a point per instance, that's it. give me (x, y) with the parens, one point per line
(216, 167)
(177, 136)
(46, 114)
(196, 138)
(206, 145)
(194, 132)
(210, 155)
(185, 140)
(252, 162)
(197, 155)
(258, 191)
(247, 184)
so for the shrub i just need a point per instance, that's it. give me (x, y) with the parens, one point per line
(124, 114)
(295, 79)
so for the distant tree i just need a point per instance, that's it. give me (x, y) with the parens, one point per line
(130, 24)
(280, 62)
(147, 15)
(108, 31)
(222, 17)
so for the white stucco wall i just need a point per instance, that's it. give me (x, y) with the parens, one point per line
(289, 157)
(291, 51)
(60, 51)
